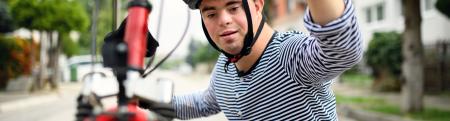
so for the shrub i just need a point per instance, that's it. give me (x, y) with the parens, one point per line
(384, 55)
(201, 53)
(5, 19)
(69, 47)
(442, 6)
(15, 58)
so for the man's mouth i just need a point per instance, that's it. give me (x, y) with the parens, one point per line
(227, 33)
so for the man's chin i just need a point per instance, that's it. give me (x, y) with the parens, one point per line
(232, 52)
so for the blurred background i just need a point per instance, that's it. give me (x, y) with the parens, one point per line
(48, 46)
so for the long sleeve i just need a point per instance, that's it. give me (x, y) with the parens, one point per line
(196, 105)
(326, 52)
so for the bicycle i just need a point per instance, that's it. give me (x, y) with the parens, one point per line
(126, 58)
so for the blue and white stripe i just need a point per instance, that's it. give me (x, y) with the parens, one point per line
(291, 80)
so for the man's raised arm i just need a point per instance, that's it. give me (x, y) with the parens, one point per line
(325, 11)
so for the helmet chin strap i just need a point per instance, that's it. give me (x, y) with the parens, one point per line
(249, 39)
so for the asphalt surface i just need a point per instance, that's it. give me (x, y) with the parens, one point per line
(60, 105)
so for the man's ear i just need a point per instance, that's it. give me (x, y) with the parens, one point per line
(259, 5)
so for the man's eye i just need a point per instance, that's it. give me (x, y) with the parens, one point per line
(210, 15)
(234, 9)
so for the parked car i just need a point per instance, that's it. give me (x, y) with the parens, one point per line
(82, 65)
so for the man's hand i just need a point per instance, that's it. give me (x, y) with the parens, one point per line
(164, 109)
(325, 11)
(84, 108)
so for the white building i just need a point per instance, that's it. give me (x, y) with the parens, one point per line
(386, 15)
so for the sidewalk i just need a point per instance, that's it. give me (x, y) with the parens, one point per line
(10, 101)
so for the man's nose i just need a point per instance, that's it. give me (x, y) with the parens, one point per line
(225, 19)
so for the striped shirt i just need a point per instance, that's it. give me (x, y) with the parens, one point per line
(290, 81)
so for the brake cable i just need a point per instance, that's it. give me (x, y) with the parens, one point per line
(158, 34)
(172, 51)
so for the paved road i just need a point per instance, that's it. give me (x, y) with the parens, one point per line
(62, 108)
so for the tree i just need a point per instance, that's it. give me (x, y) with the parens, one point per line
(266, 9)
(104, 24)
(201, 53)
(67, 15)
(5, 19)
(412, 67)
(443, 7)
(24, 12)
(49, 16)
(69, 47)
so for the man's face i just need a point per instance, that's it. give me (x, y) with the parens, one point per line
(226, 23)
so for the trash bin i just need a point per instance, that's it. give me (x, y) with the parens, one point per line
(73, 73)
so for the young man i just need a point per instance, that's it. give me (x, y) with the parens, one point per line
(280, 75)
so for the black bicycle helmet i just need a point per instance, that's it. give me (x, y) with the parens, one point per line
(249, 39)
(193, 4)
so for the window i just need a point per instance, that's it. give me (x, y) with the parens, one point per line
(400, 7)
(375, 13)
(380, 11)
(429, 4)
(368, 15)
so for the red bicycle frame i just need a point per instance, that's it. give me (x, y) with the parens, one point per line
(135, 39)
(136, 34)
(130, 39)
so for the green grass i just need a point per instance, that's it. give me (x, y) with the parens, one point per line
(379, 105)
(369, 103)
(432, 114)
(385, 108)
(445, 94)
(357, 79)
(357, 100)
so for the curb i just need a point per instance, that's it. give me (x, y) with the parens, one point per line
(362, 115)
(27, 102)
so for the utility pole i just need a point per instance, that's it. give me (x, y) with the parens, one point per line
(94, 32)
(116, 14)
